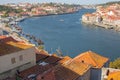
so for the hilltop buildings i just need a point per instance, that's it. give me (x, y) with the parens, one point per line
(28, 9)
(105, 16)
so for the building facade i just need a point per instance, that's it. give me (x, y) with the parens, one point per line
(14, 58)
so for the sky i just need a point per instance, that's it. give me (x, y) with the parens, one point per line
(59, 1)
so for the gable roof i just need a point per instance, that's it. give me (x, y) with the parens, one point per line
(77, 67)
(70, 70)
(37, 69)
(41, 55)
(114, 75)
(92, 58)
(9, 45)
(64, 59)
(52, 59)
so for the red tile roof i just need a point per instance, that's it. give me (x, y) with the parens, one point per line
(59, 73)
(6, 39)
(92, 58)
(9, 45)
(49, 75)
(37, 69)
(52, 59)
(89, 14)
(70, 70)
(77, 67)
(64, 59)
(41, 55)
(2, 37)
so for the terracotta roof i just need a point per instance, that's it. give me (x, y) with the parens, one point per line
(52, 59)
(77, 67)
(2, 37)
(89, 14)
(114, 76)
(113, 18)
(37, 69)
(64, 59)
(41, 55)
(59, 73)
(6, 39)
(41, 52)
(9, 45)
(20, 45)
(68, 71)
(91, 58)
(63, 73)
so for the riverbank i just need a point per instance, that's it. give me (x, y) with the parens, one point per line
(13, 34)
(71, 36)
(53, 14)
(30, 38)
(103, 25)
(104, 16)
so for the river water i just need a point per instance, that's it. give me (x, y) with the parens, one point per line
(71, 36)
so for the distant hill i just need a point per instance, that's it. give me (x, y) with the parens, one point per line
(9, 9)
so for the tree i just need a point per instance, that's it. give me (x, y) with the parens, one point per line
(115, 64)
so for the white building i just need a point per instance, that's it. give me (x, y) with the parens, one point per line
(15, 56)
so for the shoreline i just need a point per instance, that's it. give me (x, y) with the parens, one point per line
(25, 35)
(55, 14)
(26, 17)
(105, 26)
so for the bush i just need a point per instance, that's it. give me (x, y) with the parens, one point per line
(115, 64)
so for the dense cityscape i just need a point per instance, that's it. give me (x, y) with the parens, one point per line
(20, 59)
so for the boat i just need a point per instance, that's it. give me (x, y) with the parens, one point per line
(61, 20)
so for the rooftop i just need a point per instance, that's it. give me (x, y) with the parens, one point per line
(10, 45)
(52, 59)
(77, 67)
(37, 69)
(41, 55)
(92, 58)
(64, 59)
(67, 71)
(114, 75)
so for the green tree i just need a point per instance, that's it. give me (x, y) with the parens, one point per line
(115, 64)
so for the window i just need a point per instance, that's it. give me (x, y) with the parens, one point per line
(21, 57)
(13, 60)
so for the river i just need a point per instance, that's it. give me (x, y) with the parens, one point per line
(71, 36)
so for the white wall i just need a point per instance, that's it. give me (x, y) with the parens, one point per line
(28, 56)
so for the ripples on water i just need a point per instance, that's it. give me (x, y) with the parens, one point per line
(71, 36)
